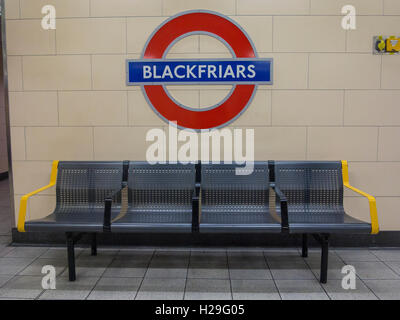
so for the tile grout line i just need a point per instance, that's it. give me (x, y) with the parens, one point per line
(229, 273)
(345, 263)
(315, 276)
(272, 275)
(144, 275)
(101, 276)
(187, 275)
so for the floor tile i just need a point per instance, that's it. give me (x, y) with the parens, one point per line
(137, 255)
(22, 287)
(89, 268)
(35, 268)
(356, 255)
(4, 279)
(394, 265)
(101, 253)
(334, 268)
(12, 266)
(288, 270)
(208, 289)
(115, 289)
(168, 265)
(208, 265)
(254, 290)
(70, 290)
(161, 289)
(26, 252)
(301, 290)
(336, 292)
(4, 250)
(374, 270)
(387, 255)
(60, 253)
(5, 239)
(251, 268)
(126, 268)
(385, 289)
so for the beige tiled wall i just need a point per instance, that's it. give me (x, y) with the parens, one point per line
(331, 98)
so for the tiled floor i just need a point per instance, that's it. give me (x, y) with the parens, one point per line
(182, 273)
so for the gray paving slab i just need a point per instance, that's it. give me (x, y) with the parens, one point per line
(161, 289)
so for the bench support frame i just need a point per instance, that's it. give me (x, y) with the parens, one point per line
(304, 249)
(323, 240)
(72, 239)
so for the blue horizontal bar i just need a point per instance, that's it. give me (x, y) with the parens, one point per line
(229, 71)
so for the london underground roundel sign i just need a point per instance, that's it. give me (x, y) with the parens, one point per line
(244, 71)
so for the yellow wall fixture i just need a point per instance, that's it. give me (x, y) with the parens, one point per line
(24, 199)
(372, 202)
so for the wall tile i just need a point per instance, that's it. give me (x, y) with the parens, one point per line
(18, 143)
(259, 29)
(392, 7)
(280, 143)
(209, 97)
(337, 143)
(360, 40)
(171, 7)
(14, 68)
(33, 108)
(271, 7)
(301, 107)
(390, 72)
(381, 179)
(108, 141)
(334, 7)
(290, 70)
(389, 144)
(140, 113)
(299, 34)
(258, 112)
(27, 37)
(139, 30)
(373, 107)
(57, 72)
(49, 143)
(71, 8)
(12, 9)
(93, 108)
(106, 8)
(100, 35)
(31, 175)
(344, 71)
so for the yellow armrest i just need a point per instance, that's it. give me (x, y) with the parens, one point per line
(372, 202)
(24, 199)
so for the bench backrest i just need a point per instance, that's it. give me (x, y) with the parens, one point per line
(311, 185)
(86, 184)
(224, 190)
(161, 186)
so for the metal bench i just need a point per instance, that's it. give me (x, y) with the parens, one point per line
(237, 203)
(80, 192)
(155, 198)
(314, 193)
(125, 197)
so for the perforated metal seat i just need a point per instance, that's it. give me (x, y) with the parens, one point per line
(314, 192)
(80, 192)
(159, 199)
(236, 203)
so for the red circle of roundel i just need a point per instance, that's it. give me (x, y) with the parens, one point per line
(199, 22)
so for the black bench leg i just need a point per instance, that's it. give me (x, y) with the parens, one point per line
(94, 244)
(71, 257)
(304, 250)
(324, 258)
